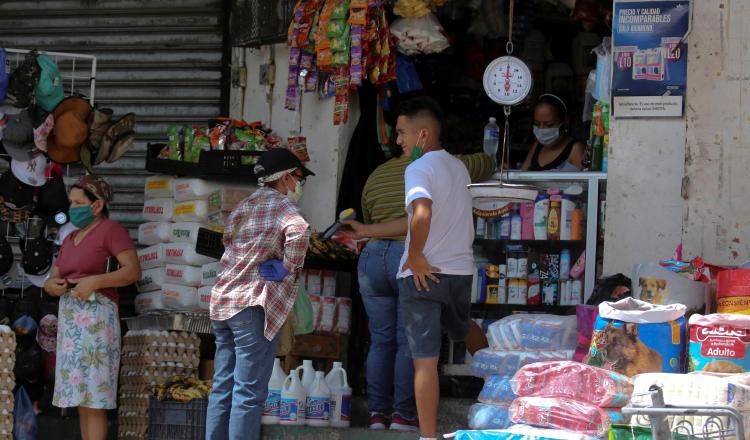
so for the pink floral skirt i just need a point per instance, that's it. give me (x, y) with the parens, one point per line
(88, 353)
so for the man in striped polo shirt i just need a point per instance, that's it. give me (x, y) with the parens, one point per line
(390, 371)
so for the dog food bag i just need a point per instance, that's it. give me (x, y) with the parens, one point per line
(204, 298)
(152, 256)
(194, 189)
(533, 332)
(634, 337)
(158, 210)
(483, 416)
(658, 285)
(719, 343)
(497, 390)
(184, 253)
(151, 279)
(154, 232)
(209, 272)
(148, 302)
(185, 232)
(522, 432)
(158, 187)
(575, 381)
(182, 298)
(486, 362)
(184, 275)
(733, 291)
(191, 211)
(564, 413)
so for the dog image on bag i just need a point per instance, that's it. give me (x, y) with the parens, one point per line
(627, 353)
(654, 290)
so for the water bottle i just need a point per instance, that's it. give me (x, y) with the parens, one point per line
(341, 395)
(318, 402)
(292, 404)
(491, 139)
(271, 407)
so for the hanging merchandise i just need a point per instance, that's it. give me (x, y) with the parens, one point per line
(602, 86)
(489, 21)
(599, 137)
(416, 36)
(411, 8)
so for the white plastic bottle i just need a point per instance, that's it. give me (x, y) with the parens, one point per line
(541, 210)
(317, 406)
(293, 397)
(491, 139)
(308, 374)
(567, 206)
(271, 407)
(341, 395)
(516, 225)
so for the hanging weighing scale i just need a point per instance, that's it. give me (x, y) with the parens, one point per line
(507, 81)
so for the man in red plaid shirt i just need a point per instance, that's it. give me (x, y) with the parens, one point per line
(265, 242)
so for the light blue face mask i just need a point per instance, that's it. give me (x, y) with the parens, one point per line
(81, 216)
(546, 136)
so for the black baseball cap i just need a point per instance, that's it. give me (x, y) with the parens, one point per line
(277, 160)
(37, 255)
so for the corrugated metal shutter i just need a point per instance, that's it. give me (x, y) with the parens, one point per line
(163, 60)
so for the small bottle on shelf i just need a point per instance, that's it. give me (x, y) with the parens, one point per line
(553, 221)
(527, 221)
(564, 264)
(578, 224)
(505, 220)
(516, 225)
(541, 211)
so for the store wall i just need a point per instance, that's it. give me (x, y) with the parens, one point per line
(327, 144)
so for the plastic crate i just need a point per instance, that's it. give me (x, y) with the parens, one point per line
(169, 420)
(167, 166)
(226, 165)
(209, 243)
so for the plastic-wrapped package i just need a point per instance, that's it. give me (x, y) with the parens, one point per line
(158, 210)
(482, 416)
(157, 187)
(152, 256)
(183, 275)
(534, 332)
(573, 380)
(563, 413)
(151, 279)
(154, 232)
(521, 432)
(182, 298)
(505, 363)
(422, 35)
(148, 302)
(184, 253)
(497, 390)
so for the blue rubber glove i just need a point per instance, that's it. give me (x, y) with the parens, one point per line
(273, 270)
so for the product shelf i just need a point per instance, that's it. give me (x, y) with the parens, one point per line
(548, 244)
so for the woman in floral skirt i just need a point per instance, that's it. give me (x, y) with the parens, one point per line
(88, 331)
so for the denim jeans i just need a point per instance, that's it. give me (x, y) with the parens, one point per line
(390, 371)
(242, 369)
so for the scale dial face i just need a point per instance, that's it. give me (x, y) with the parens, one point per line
(507, 80)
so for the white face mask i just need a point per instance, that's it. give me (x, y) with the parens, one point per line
(295, 195)
(546, 136)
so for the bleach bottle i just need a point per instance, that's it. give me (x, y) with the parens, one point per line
(292, 404)
(317, 407)
(341, 395)
(271, 407)
(308, 374)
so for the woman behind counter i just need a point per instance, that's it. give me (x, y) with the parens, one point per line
(555, 149)
(88, 331)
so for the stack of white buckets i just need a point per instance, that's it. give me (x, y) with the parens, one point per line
(313, 400)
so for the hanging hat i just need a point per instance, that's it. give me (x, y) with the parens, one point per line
(43, 123)
(23, 80)
(99, 122)
(70, 132)
(18, 136)
(4, 73)
(6, 281)
(37, 255)
(6, 258)
(15, 193)
(52, 201)
(47, 334)
(117, 140)
(49, 89)
(31, 171)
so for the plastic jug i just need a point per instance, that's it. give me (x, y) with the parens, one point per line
(308, 374)
(341, 395)
(273, 400)
(292, 403)
(318, 400)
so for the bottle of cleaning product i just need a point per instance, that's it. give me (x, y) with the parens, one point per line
(527, 221)
(566, 216)
(541, 210)
(271, 407)
(318, 402)
(308, 374)
(577, 271)
(341, 395)
(578, 224)
(564, 264)
(491, 139)
(504, 233)
(293, 397)
(553, 221)
(516, 224)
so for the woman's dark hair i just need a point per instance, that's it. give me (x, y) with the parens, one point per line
(92, 198)
(556, 103)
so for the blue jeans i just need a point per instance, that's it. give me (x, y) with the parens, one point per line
(242, 369)
(390, 371)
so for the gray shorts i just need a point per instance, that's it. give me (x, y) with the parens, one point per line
(445, 306)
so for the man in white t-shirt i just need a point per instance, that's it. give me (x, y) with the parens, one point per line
(436, 270)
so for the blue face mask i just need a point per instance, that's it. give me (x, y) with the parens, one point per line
(81, 216)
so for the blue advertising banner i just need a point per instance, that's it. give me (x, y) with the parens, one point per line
(649, 72)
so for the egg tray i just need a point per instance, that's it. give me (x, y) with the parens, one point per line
(183, 321)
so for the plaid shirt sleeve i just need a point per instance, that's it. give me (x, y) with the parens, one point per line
(297, 237)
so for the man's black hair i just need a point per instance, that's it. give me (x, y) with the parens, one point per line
(421, 104)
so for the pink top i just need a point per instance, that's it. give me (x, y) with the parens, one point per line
(89, 257)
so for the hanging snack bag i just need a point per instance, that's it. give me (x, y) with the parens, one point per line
(633, 337)
(719, 343)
